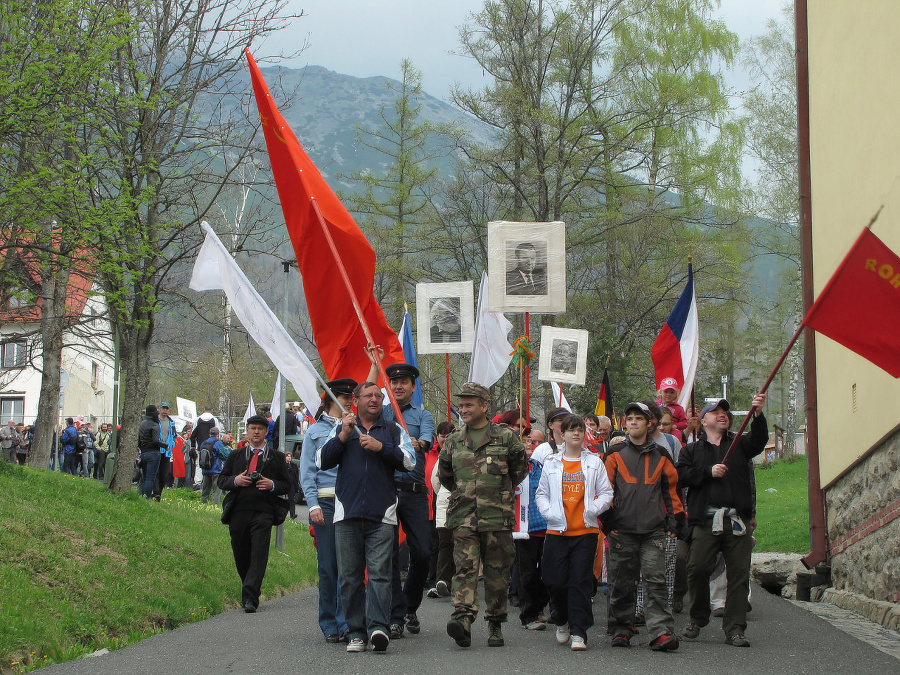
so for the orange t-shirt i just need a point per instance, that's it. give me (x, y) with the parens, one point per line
(573, 500)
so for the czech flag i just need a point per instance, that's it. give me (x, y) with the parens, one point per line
(677, 348)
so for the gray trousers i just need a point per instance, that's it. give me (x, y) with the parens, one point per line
(211, 485)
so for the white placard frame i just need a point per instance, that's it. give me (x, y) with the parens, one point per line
(559, 346)
(448, 301)
(513, 246)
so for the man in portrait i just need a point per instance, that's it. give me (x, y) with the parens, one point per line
(526, 277)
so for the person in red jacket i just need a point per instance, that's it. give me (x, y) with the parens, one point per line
(668, 396)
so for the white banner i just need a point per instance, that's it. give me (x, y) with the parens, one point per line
(215, 269)
(251, 410)
(491, 350)
(186, 409)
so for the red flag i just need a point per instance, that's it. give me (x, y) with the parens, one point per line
(337, 332)
(860, 305)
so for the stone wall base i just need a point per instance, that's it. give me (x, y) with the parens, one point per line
(885, 613)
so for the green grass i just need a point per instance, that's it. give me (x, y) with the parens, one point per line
(82, 569)
(783, 516)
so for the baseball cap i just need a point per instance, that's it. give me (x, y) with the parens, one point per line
(474, 389)
(639, 408)
(668, 383)
(709, 407)
(164, 404)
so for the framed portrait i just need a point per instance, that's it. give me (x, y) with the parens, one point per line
(445, 317)
(563, 355)
(527, 267)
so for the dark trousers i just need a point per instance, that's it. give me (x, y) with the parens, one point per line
(72, 463)
(251, 532)
(412, 512)
(100, 464)
(567, 567)
(737, 552)
(444, 570)
(533, 594)
(682, 550)
(162, 476)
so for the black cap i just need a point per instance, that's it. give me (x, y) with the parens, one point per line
(402, 370)
(258, 419)
(639, 408)
(556, 413)
(343, 386)
(151, 411)
(709, 407)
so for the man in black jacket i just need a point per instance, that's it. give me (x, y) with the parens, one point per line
(254, 478)
(149, 444)
(720, 507)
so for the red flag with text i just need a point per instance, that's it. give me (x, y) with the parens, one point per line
(860, 305)
(337, 332)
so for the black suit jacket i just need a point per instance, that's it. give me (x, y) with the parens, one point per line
(272, 465)
(516, 284)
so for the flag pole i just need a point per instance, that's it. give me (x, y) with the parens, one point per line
(765, 386)
(398, 416)
(447, 362)
(690, 267)
(527, 414)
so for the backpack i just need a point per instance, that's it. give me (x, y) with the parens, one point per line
(80, 445)
(207, 455)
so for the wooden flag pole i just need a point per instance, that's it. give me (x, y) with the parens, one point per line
(765, 386)
(398, 416)
(527, 407)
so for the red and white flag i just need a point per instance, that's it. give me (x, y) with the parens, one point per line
(677, 348)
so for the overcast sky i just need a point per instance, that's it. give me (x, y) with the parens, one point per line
(366, 38)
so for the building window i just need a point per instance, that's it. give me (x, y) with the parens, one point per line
(13, 354)
(12, 409)
(95, 375)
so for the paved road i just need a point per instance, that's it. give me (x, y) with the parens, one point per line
(283, 638)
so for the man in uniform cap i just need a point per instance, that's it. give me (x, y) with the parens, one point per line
(481, 464)
(720, 508)
(254, 476)
(318, 489)
(412, 501)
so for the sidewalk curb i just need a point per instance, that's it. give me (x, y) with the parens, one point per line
(886, 614)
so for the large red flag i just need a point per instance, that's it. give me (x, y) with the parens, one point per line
(860, 305)
(338, 334)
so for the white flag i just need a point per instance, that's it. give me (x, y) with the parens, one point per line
(491, 352)
(215, 269)
(251, 410)
(559, 398)
(276, 409)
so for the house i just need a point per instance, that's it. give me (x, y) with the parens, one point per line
(848, 66)
(86, 378)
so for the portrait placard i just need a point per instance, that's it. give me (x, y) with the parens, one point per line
(527, 267)
(186, 408)
(563, 356)
(445, 317)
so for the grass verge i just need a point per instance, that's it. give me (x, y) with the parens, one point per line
(82, 569)
(783, 515)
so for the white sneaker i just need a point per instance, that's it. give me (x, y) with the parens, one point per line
(356, 645)
(578, 643)
(562, 634)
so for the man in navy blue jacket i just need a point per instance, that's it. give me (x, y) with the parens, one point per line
(367, 450)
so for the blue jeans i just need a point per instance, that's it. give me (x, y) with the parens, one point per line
(365, 545)
(149, 467)
(331, 610)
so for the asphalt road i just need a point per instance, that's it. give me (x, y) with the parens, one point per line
(283, 638)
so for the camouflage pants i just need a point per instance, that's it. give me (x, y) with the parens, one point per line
(629, 555)
(470, 549)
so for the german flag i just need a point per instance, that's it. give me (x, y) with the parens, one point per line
(604, 400)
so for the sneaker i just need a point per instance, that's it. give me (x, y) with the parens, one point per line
(433, 593)
(665, 643)
(578, 643)
(718, 612)
(333, 639)
(459, 630)
(535, 625)
(396, 631)
(495, 635)
(542, 618)
(443, 588)
(412, 623)
(738, 640)
(563, 634)
(380, 640)
(691, 631)
(356, 645)
(621, 641)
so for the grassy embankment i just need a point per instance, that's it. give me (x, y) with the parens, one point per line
(82, 569)
(783, 516)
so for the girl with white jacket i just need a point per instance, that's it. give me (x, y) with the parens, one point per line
(573, 492)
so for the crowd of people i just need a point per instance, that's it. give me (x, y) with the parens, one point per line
(647, 513)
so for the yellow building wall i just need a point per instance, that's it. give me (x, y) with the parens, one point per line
(854, 90)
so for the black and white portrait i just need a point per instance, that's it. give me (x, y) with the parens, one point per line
(563, 355)
(527, 267)
(444, 320)
(445, 317)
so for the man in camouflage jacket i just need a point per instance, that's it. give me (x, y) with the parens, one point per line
(481, 465)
